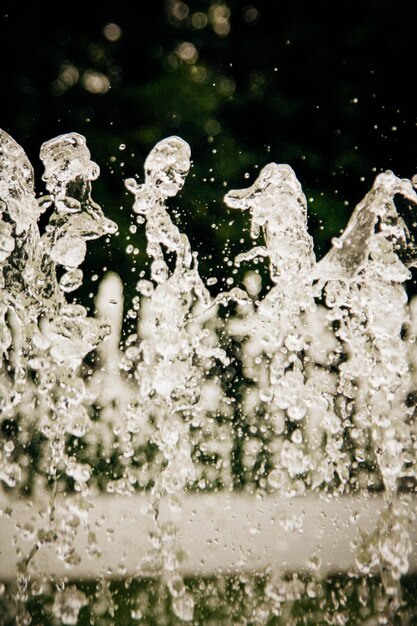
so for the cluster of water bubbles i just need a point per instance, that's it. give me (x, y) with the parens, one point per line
(326, 398)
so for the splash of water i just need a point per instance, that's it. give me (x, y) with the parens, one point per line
(325, 404)
(45, 339)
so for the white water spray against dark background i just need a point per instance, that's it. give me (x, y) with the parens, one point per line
(323, 404)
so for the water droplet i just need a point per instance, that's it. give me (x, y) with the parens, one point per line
(183, 607)
(68, 604)
(71, 280)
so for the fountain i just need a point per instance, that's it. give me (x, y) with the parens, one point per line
(247, 458)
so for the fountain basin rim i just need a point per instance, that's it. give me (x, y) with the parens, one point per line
(222, 533)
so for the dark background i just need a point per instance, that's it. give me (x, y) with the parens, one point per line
(328, 87)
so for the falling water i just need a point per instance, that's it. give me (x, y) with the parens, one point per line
(311, 387)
